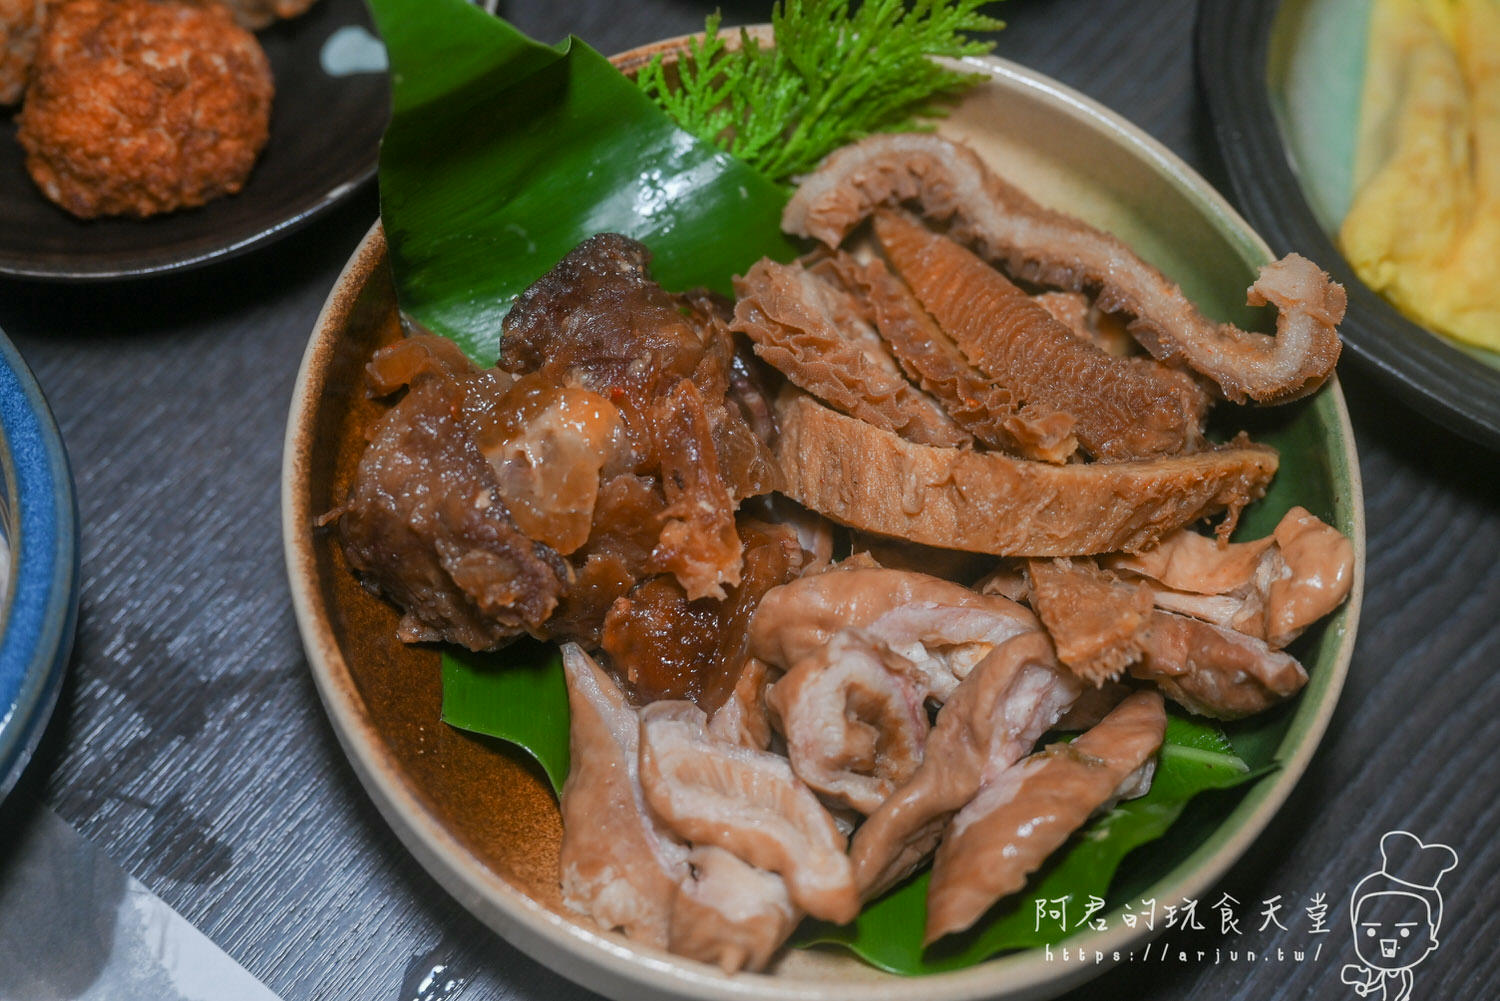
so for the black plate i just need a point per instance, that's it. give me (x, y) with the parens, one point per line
(325, 136)
(1234, 49)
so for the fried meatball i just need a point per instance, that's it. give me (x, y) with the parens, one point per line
(137, 107)
(256, 14)
(20, 27)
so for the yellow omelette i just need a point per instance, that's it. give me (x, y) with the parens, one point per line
(1424, 227)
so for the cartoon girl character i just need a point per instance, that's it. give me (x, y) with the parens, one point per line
(1396, 914)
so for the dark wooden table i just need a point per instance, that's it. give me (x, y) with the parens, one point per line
(191, 746)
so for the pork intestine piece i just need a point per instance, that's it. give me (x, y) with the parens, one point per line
(744, 718)
(1271, 588)
(953, 186)
(730, 913)
(1213, 670)
(619, 865)
(1007, 580)
(1196, 564)
(853, 719)
(1025, 813)
(995, 716)
(1224, 669)
(938, 628)
(1320, 574)
(622, 867)
(1093, 705)
(747, 802)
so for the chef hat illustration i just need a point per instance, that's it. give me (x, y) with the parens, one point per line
(1404, 858)
(1408, 864)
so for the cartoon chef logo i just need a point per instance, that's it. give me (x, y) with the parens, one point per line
(1396, 913)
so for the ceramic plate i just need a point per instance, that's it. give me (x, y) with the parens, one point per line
(482, 819)
(322, 63)
(1283, 84)
(38, 564)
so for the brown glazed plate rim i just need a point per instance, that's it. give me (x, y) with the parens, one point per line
(606, 962)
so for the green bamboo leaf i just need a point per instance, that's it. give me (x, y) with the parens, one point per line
(1195, 757)
(519, 696)
(503, 154)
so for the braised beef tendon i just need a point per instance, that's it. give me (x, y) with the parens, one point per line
(549, 443)
(424, 523)
(666, 645)
(597, 320)
(698, 543)
(611, 445)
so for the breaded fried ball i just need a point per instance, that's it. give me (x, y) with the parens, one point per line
(20, 27)
(256, 14)
(137, 107)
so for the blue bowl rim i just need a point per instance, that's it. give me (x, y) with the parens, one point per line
(41, 604)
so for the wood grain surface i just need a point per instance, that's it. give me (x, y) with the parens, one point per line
(191, 746)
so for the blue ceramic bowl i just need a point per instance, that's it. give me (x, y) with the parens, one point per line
(38, 563)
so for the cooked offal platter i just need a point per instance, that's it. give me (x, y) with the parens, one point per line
(828, 563)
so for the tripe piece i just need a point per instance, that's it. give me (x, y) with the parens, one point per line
(954, 187)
